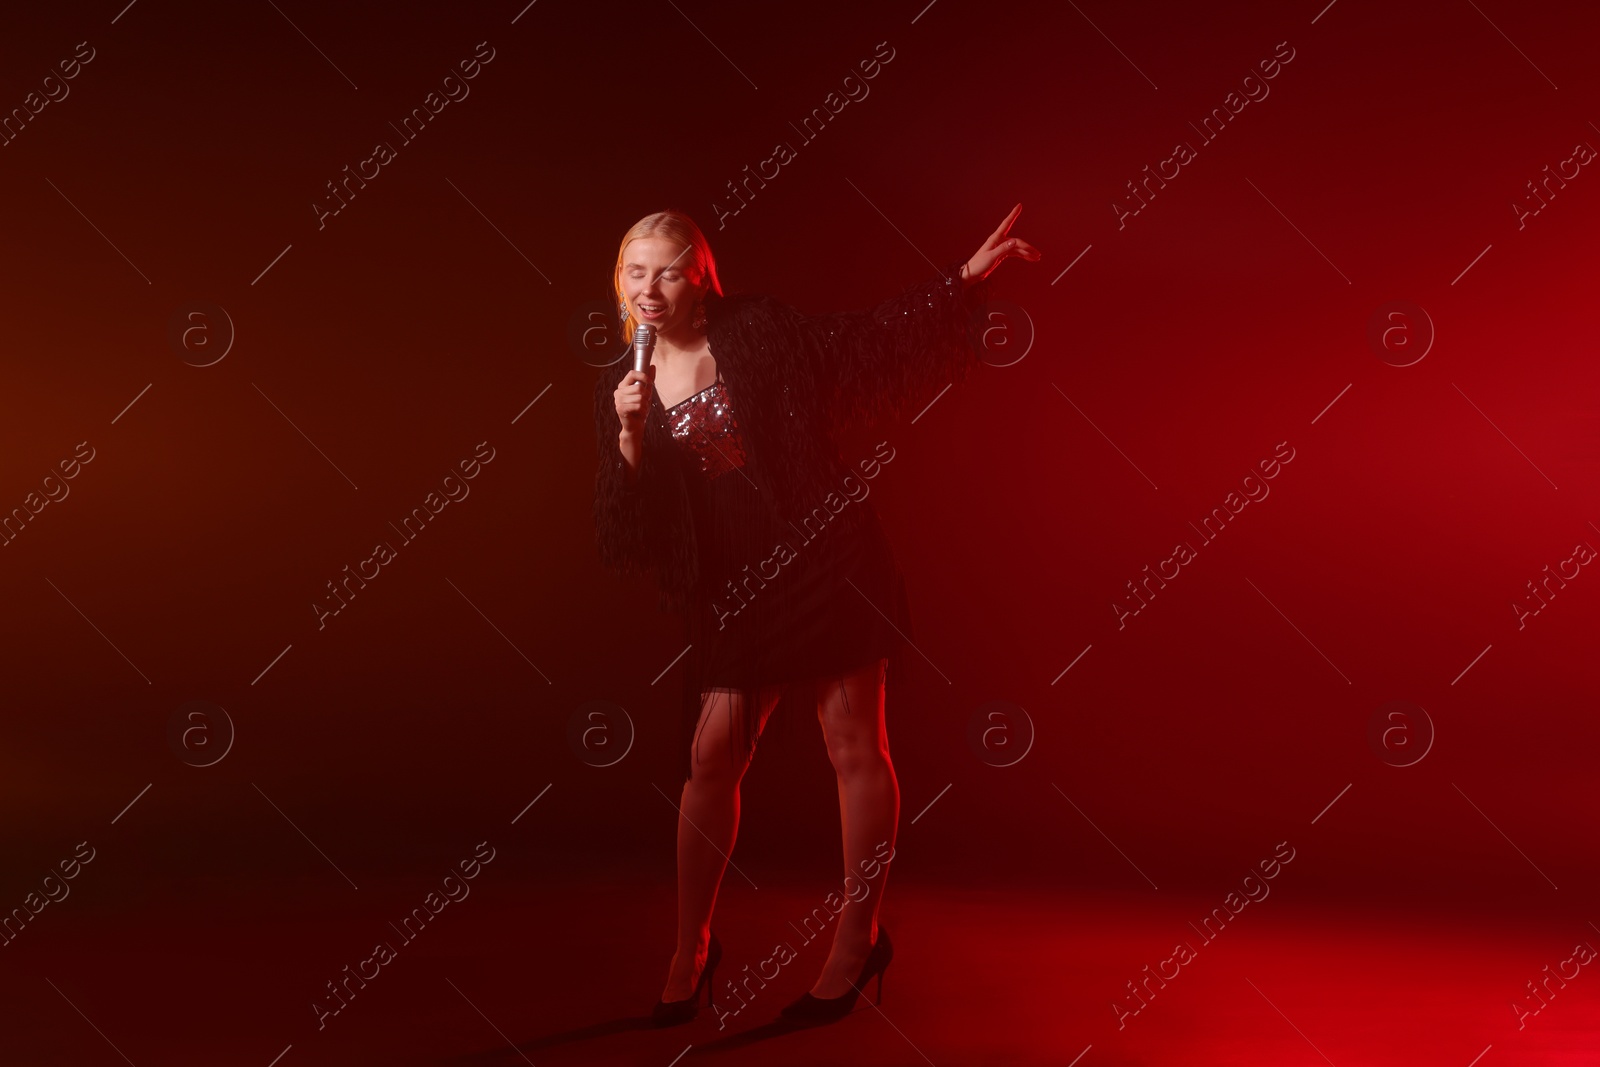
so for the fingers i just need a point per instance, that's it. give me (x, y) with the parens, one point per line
(1019, 247)
(632, 395)
(1016, 246)
(1005, 227)
(1013, 246)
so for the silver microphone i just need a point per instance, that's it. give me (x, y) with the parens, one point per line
(644, 343)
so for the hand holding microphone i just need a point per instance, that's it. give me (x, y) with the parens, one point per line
(632, 396)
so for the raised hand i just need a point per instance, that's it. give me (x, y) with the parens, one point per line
(998, 247)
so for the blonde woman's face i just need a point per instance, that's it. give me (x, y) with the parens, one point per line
(656, 280)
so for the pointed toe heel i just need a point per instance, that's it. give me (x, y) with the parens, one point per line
(809, 1010)
(675, 1012)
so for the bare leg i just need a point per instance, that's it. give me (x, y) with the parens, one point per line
(851, 712)
(708, 823)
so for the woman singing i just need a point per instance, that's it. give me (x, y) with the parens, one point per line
(719, 472)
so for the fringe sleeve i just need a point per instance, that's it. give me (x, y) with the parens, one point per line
(870, 364)
(619, 511)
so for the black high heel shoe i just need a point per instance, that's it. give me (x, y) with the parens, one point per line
(809, 1009)
(673, 1012)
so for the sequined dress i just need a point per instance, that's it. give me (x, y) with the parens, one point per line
(778, 604)
(758, 530)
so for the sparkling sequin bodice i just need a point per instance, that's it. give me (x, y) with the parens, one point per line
(704, 427)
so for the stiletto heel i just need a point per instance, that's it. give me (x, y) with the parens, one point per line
(674, 1012)
(809, 1009)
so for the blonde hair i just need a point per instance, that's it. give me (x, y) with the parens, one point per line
(679, 229)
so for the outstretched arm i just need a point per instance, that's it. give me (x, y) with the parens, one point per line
(871, 363)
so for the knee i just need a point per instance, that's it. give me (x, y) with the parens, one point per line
(857, 754)
(715, 769)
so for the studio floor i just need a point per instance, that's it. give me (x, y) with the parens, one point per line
(563, 970)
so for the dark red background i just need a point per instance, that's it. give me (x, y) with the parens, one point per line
(1196, 338)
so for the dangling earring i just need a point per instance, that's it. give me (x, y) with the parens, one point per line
(622, 311)
(699, 320)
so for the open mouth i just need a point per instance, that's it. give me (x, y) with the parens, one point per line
(651, 311)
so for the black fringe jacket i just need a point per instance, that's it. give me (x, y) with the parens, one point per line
(794, 378)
